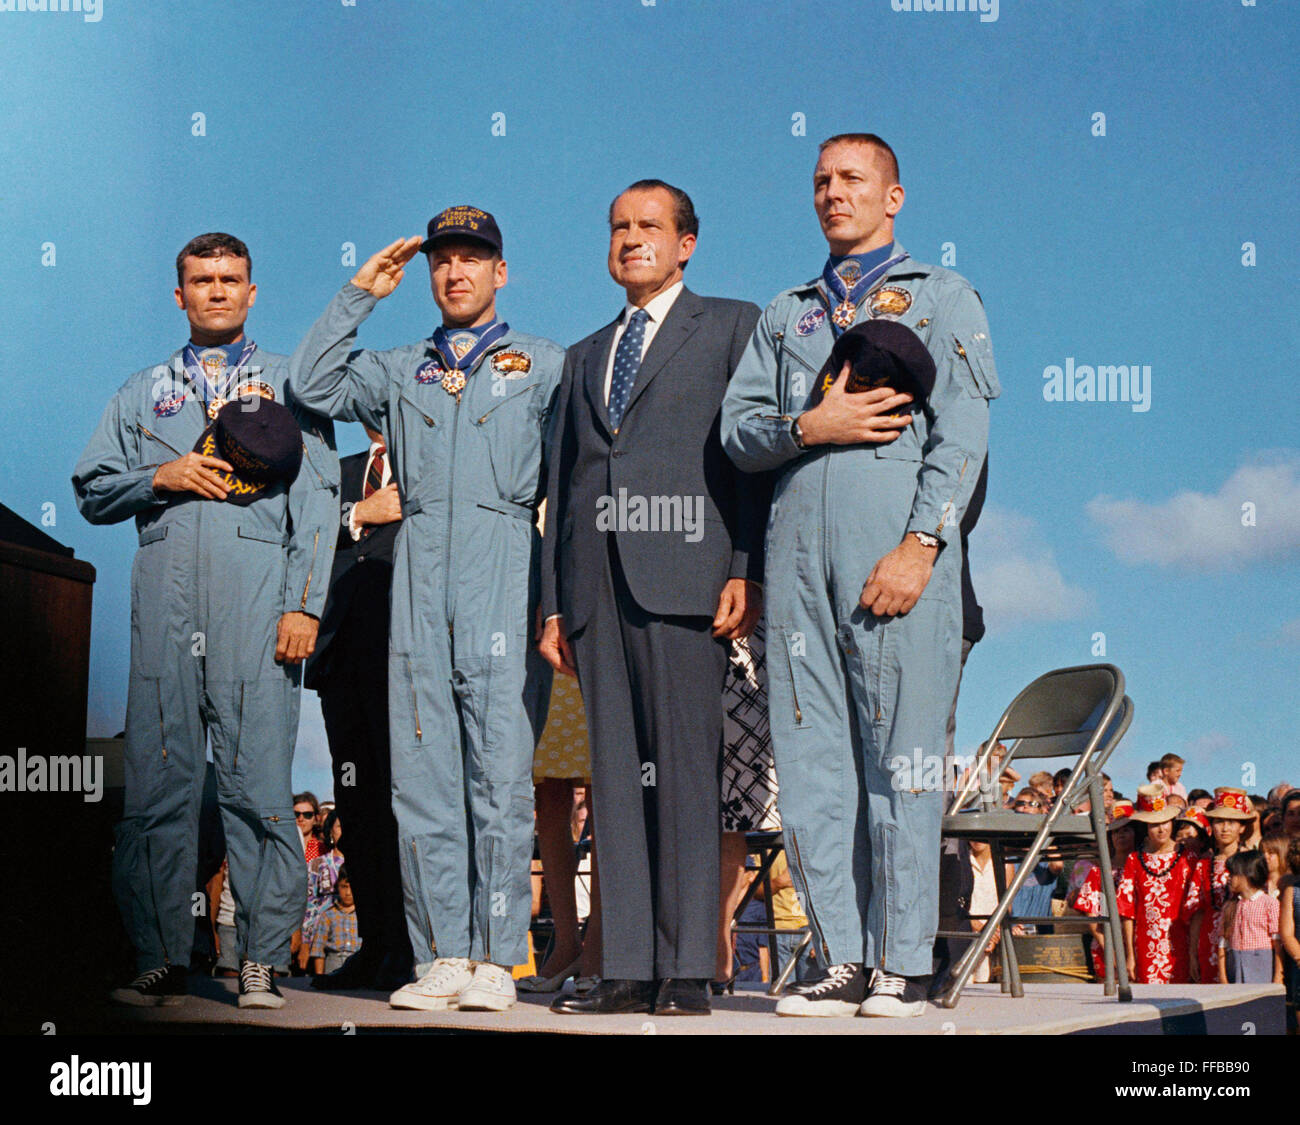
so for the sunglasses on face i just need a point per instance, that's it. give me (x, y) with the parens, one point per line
(1028, 805)
(308, 815)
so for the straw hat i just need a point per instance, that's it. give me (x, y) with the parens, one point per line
(1196, 817)
(1152, 805)
(1230, 804)
(1121, 813)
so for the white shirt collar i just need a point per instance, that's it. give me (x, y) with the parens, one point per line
(657, 306)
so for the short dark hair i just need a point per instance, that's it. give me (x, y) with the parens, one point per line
(1154, 767)
(342, 874)
(684, 217)
(878, 143)
(1199, 794)
(1251, 865)
(1289, 800)
(308, 796)
(213, 245)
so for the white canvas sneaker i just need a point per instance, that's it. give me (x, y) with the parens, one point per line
(438, 989)
(491, 990)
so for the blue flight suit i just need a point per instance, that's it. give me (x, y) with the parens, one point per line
(851, 694)
(208, 586)
(467, 691)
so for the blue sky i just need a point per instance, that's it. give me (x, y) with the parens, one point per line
(327, 124)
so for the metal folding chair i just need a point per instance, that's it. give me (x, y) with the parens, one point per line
(1077, 712)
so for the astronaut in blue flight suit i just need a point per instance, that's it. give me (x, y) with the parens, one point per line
(864, 581)
(465, 413)
(226, 591)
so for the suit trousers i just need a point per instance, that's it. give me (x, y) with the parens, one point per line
(354, 704)
(652, 687)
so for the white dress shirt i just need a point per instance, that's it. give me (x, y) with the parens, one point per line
(353, 529)
(657, 308)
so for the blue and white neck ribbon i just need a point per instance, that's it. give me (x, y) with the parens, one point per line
(845, 312)
(457, 348)
(215, 393)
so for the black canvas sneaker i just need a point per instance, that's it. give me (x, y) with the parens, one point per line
(895, 996)
(154, 988)
(257, 986)
(838, 993)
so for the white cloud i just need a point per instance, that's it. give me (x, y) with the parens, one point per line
(1015, 574)
(1255, 515)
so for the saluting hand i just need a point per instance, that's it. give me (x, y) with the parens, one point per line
(383, 272)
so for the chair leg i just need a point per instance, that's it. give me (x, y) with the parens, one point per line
(1114, 927)
(779, 983)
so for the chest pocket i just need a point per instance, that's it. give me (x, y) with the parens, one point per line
(512, 434)
(799, 375)
(323, 462)
(974, 363)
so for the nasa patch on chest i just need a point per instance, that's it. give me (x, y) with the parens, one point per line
(890, 302)
(169, 404)
(512, 365)
(431, 371)
(812, 320)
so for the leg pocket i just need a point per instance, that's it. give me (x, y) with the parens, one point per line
(787, 692)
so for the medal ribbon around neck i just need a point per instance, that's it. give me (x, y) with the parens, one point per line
(214, 397)
(453, 382)
(845, 312)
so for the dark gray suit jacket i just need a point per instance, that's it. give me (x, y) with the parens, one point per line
(667, 452)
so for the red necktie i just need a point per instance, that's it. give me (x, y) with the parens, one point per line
(375, 474)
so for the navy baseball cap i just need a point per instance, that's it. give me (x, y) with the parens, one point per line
(882, 353)
(463, 221)
(261, 439)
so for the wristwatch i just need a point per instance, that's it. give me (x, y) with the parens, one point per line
(796, 433)
(926, 539)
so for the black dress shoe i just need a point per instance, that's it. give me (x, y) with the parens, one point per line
(358, 972)
(607, 998)
(681, 997)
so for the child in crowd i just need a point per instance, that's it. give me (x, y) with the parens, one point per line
(1192, 834)
(1171, 769)
(1227, 815)
(1157, 896)
(1289, 923)
(336, 937)
(1088, 899)
(1248, 952)
(1274, 846)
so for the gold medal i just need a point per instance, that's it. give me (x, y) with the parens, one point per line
(214, 407)
(453, 382)
(844, 314)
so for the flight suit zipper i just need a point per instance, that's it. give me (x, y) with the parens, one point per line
(794, 691)
(807, 905)
(427, 420)
(415, 869)
(315, 543)
(508, 398)
(150, 434)
(239, 726)
(415, 703)
(162, 726)
(451, 513)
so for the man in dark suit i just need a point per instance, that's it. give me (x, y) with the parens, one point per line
(652, 562)
(350, 672)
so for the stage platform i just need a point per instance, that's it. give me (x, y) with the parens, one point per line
(1046, 1009)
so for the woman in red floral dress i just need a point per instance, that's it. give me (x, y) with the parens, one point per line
(1089, 899)
(1158, 895)
(1227, 816)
